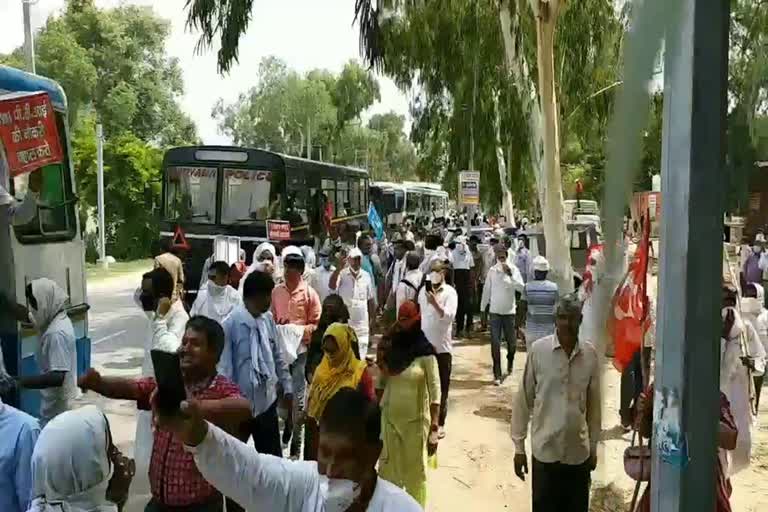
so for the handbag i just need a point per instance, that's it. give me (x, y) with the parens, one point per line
(637, 460)
(124, 469)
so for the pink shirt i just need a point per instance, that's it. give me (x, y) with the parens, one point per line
(300, 307)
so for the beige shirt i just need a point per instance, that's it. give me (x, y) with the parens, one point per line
(175, 267)
(563, 394)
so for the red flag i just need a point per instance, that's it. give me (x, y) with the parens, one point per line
(629, 321)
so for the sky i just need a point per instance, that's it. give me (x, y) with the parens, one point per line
(307, 34)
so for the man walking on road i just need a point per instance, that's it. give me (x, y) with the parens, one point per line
(503, 281)
(355, 286)
(561, 389)
(438, 303)
(540, 300)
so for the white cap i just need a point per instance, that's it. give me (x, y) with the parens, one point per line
(760, 238)
(291, 250)
(355, 253)
(540, 264)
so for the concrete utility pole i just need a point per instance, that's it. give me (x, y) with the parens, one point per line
(100, 194)
(693, 174)
(29, 36)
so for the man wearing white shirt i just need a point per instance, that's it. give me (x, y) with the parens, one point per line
(355, 286)
(343, 478)
(321, 277)
(398, 268)
(410, 284)
(438, 303)
(463, 263)
(502, 282)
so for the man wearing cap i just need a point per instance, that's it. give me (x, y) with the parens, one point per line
(503, 281)
(539, 302)
(321, 277)
(355, 286)
(295, 302)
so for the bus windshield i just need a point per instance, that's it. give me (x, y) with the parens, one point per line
(191, 194)
(393, 201)
(246, 196)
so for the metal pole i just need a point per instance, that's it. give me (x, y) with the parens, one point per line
(688, 357)
(29, 37)
(100, 193)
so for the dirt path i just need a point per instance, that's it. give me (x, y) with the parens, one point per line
(475, 459)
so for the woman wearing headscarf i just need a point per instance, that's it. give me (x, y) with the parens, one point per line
(71, 466)
(56, 353)
(410, 405)
(334, 310)
(338, 369)
(265, 260)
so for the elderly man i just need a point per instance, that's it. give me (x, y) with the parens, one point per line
(539, 301)
(355, 286)
(561, 390)
(503, 281)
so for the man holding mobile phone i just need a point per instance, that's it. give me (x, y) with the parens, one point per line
(174, 479)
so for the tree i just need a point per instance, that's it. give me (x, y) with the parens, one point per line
(354, 91)
(113, 67)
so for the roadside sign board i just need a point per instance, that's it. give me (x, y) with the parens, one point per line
(278, 230)
(469, 188)
(29, 133)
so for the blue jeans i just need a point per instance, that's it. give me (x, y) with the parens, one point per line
(502, 325)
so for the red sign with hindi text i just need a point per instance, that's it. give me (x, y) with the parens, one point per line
(28, 132)
(278, 230)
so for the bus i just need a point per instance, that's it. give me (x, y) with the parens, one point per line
(47, 244)
(412, 200)
(210, 191)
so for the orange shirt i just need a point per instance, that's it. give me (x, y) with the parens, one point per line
(300, 307)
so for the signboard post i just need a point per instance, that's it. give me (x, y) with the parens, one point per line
(278, 230)
(28, 132)
(469, 188)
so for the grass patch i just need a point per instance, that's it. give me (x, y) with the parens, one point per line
(96, 272)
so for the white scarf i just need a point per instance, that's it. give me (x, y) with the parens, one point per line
(70, 466)
(51, 301)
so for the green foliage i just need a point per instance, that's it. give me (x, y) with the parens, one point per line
(113, 67)
(285, 108)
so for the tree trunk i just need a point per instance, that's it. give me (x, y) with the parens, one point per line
(507, 202)
(542, 114)
(552, 210)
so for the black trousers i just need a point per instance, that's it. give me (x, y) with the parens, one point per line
(630, 389)
(462, 282)
(444, 366)
(560, 487)
(266, 432)
(758, 387)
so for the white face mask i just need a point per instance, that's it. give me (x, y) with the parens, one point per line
(338, 494)
(325, 262)
(214, 290)
(436, 278)
(756, 249)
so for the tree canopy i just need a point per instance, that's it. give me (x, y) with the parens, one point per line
(286, 110)
(113, 67)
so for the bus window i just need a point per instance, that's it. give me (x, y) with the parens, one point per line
(329, 191)
(246, 197)
(342, 199)
(190, 194)
(354, 197)
(46, 201)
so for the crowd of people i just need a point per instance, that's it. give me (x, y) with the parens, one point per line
(292, 405)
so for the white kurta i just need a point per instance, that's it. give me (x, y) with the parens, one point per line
(215, 302)
(356, 292)
(175, 321)
(735, 384)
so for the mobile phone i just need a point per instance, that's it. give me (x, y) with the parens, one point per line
(170, 383)
(428, 286)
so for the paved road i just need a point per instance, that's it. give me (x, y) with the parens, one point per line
(118, 328)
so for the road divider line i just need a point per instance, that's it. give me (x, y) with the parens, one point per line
(106, 338)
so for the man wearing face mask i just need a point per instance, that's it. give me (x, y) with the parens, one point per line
(56, 354)
(155, 286)
(217, 299)
(737, 369)
(321, 277)
(756, 262)
(463, 265)
(438, 304)
(295, 302)
(355, 286)
(343, 479)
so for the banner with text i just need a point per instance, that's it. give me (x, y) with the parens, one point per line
(28, 132)
(278, 230)
(469, 188)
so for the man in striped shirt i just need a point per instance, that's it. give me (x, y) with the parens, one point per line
(540, 297)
